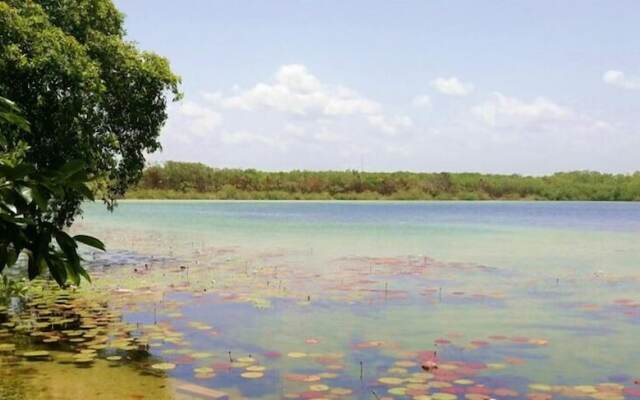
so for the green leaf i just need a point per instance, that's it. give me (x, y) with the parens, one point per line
(90, 241)
(72, 273)
(84, 274)
(16, 172)
(57, 268)
(39, 197)
(11, 114)
(70, 168)
(4, 257)
(12, 256)
(32, 266)
(15, 119)
(68, 246)
(86, 191)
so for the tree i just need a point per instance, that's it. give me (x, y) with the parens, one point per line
(28, 196)
(88, 94)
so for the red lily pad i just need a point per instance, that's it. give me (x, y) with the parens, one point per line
(453, 390)
(310, 395)
(425, 356)
(182, 360)
(515, 361)
(505, 392)
(221, 366)
(445, 375)
(479, 390)
(631, 391)
(539, 396)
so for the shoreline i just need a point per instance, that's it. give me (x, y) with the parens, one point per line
(389, 201)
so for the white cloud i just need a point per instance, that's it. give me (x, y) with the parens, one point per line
(514, 120)
(298, 120)
(248, 138)
(328, 137)
(297, 78)
(502, 110)
(422, 101)
(452, 86)
(390, 125)
(201, 120)
(296, 91)
(619, 79)
(294, 130)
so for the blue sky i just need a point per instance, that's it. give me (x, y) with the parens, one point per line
(503, 86)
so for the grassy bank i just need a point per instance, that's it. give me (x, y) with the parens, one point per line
(177, 180)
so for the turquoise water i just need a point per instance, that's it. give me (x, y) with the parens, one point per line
(503, 295)
(564, 237)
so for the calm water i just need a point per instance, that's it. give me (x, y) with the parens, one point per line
(560, 237)
(349, 300)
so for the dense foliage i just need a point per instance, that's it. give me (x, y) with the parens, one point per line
(28, 207)
(198, 181)
(88, 94)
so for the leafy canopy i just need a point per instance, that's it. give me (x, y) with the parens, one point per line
(95, 105)
(27, 197)
(88, 94)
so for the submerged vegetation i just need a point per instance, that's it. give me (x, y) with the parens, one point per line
(171, 330)
(181, 180)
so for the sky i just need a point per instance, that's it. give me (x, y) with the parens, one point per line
(528, 87)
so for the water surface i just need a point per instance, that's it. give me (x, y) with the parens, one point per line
(352, 299)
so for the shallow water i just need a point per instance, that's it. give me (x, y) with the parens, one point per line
(350, 300)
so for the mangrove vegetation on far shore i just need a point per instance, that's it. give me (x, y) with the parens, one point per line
(182, 180)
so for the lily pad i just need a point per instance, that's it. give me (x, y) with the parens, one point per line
(163, 366)
(398, 391)
(7, 347)
(36, 354)
(390, 380)
(203, 370)
(84, 360)
(252, 375)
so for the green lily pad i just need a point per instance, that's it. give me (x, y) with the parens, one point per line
(84, 360)
(163, 366)
(36, 354)
(252, 375)
(7, 347)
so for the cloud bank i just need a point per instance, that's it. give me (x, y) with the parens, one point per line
(296, 120)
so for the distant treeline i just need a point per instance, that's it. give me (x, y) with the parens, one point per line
(179, 180)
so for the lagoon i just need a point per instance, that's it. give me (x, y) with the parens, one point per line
(444, 300)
